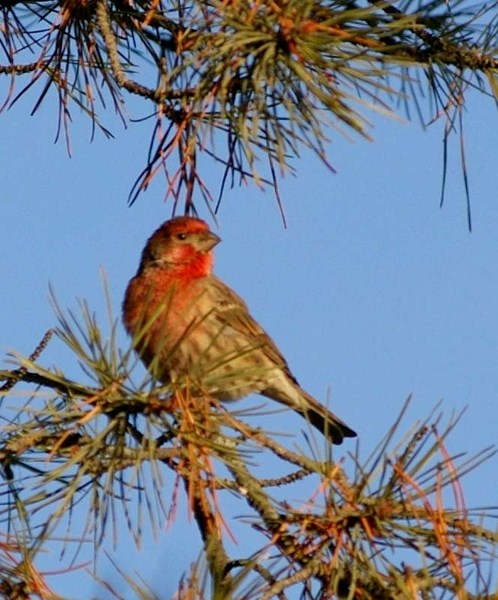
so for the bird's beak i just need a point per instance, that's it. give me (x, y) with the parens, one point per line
(207, 240)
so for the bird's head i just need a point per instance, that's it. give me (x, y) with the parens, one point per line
(184, 243)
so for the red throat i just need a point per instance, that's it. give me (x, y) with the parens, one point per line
(200, 264)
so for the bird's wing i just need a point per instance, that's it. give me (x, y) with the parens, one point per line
(233, 316)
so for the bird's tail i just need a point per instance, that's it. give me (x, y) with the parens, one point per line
(290, 393)
(324, 420)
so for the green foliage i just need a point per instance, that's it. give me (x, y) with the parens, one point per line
(233, 82)
(391, 525)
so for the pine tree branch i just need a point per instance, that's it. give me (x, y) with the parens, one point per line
(267, 79)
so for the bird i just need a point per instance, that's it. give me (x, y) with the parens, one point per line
(186, 322)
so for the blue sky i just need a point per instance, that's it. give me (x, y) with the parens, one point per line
(372, 292)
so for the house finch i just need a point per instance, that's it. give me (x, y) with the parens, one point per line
(187, 322)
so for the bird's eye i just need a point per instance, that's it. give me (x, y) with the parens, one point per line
(181, 236)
